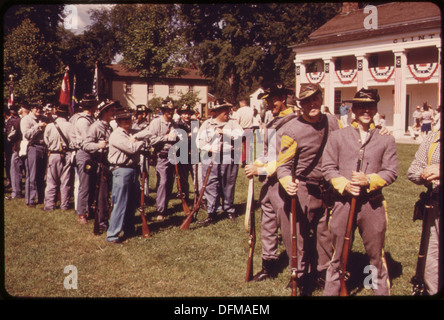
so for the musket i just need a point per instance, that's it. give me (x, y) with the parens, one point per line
(418, 279)
(185, 225)
(250, 227)
(145, 229)
(294, 244)
(196, 183)
(181, 194)
(343, 274)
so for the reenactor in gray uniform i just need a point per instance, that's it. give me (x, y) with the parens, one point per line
(302, 143)
(81, 126)
(162, 136)
(272, 197)
(123, 157)
(220, 138)
(59, 139)
(96, 144)
(425, 170)
(14, 137)
(140, 123)
(359, 162)
(186, 169)
(32, 127)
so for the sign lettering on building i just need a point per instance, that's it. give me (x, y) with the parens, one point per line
(417, 38)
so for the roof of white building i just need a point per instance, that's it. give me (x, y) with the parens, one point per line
(392, 18)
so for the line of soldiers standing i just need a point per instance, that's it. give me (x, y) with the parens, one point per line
(308, 156)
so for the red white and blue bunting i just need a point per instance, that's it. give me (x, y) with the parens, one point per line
(382, 74)
(315, 77)
(346, 76)
(423, 71)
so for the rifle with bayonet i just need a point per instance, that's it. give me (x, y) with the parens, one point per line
(250, 227)
(418, 279)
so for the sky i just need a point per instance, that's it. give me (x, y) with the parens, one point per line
(80, 11)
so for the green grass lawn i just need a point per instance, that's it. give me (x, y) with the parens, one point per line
(199, 262)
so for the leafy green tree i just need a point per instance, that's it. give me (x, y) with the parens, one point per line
(238, 44)
(32, 60)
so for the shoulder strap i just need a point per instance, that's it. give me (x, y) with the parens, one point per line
(271, 123)
(61, 134)
(320, 151)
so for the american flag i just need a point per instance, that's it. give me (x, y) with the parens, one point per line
(11, 93)
(95, 83)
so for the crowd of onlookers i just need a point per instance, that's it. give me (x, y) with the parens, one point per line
(425, 120)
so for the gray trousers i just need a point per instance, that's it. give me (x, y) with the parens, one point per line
(274, 205)
(85, 194)
(219, 191)
(313, 237)
(35, 174)
(433, 283)
(371, 222)
(16, 173)
(58, 176)
(165, 183)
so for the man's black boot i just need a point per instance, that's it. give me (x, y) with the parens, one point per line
(268, 270)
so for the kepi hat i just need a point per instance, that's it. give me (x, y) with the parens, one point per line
(308, 90)
(167, 104)
(140, 108)
(366, 96)
(106, 105)
(274, 89)
(185, 109)
(220, 104)
(62, 109)
(124, 113)
(89, 101)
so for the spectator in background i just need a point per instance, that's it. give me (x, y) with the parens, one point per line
(426, 119)
(344, 110)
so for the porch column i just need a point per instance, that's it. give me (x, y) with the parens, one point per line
(300, 74)
(399, 107)
(329, 87)
(362, 76)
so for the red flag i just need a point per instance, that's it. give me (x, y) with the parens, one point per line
(65, 97)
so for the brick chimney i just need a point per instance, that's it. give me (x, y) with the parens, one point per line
(348, 7)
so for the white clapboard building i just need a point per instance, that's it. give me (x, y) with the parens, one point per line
(392, 47)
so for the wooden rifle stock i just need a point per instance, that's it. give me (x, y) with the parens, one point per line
(250, 226)
(186, 224)
(346, 248)
(186, 209)
(343, 275)
(418, 279)
(145, 229)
